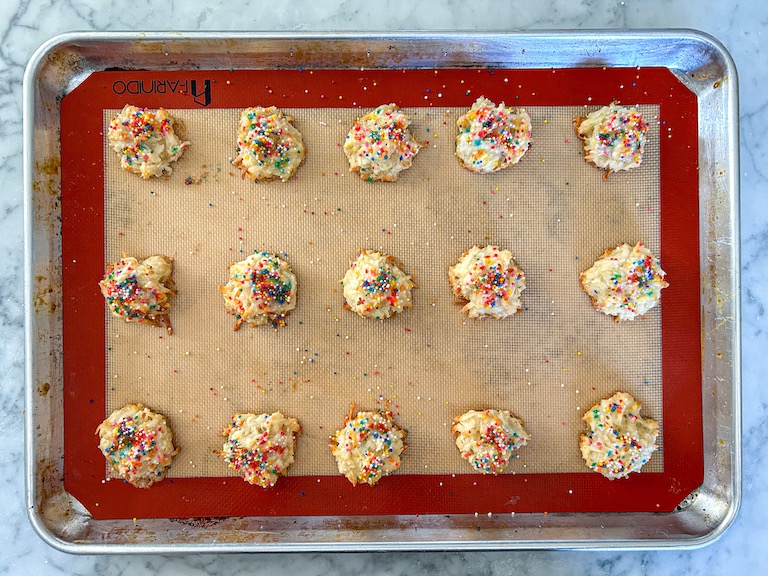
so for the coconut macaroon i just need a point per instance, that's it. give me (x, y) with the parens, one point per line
(139, 291)
(487, 438)
(492, 137)
(619, 441)
(261, 289)
(613, 137)
(379, 146)
(368, 447)
(145, 141)
(489, 280)
(375, 287)
(625, 282)
(268, 145)
(260, 447)
(138, 444)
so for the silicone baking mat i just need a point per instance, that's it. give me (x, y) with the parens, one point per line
(547, 365)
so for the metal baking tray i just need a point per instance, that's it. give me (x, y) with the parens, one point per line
(697, 60)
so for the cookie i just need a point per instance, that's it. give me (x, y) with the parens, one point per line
(375, 287)
(614, 138)
(260, 447)
(379, 146)
(138, 444)
(140, 291)
(268, 145)
(261, 290)
(489, 280)
(619, 441)
(487, 438)
(145, 141)
(368, 447)
(625, 282)
(492, 137)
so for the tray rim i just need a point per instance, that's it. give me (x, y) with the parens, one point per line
(29, 92)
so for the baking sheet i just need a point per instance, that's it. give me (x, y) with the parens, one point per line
(547, 365)
(698, 62)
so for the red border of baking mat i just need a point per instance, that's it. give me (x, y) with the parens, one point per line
(84, 310)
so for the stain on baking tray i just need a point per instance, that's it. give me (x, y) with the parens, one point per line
(46, 187)
(50, 166)
(48, 177)
(49, 476)
(200, 521)
(44, 299)
(124, 69)
(65, 62)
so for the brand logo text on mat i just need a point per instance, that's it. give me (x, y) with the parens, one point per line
(200, 91)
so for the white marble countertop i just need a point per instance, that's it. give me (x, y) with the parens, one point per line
(741, 26)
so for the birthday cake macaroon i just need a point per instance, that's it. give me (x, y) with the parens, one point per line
(145, 141)
(619, 441)
(492, 137)
(139, 291)
(368, 447)
(138, 444)
(268, 145)
(376, 287)
(625, 282)
(489, 280)
(613, 137)
(487, 438)
(260, 447)
(261, 290)
(379, 145)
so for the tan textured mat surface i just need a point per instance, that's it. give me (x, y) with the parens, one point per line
(547, 365)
